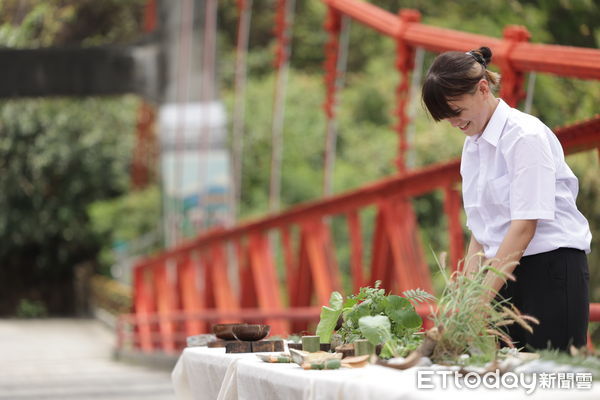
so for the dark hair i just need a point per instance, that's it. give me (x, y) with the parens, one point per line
(452, 75)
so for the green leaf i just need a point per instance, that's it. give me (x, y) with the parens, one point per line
(336, 300)
(393, 302)
(418, 295)
(350, 302)
(394, 306)
(329, 317)
(376, 329)
(361, 310)
(402, 312)
(410, 319)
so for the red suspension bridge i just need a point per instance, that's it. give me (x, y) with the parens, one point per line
(231, 274)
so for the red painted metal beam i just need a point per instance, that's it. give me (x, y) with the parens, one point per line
(571, 61)
(265, 279)
(402, 270)
(290, 264)
(561, 60)
(317, 258)
(367, 14)
(165, 302)
(248, 296)
(580, 136)
(191, 293)
(224, 298)
(143, 306)
(356, 264)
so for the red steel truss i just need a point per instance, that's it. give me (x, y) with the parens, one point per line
(231, 274)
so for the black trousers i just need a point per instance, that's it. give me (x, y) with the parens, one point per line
(553, 287)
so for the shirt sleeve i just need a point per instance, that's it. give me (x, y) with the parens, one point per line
(532, 175)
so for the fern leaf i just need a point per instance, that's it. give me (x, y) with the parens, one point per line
(418, 295)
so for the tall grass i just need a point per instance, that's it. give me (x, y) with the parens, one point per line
(468, 323)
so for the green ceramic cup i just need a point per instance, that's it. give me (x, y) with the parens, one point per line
(362, 347)
(311, 344)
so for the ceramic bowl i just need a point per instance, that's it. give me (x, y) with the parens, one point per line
(251, 332)
(225, 331)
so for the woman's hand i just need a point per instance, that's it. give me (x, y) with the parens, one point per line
(474, 258)
(514, 244)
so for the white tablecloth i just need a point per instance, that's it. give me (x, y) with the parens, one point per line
(203, 373)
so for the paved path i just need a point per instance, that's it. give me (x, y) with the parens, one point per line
(70, 359)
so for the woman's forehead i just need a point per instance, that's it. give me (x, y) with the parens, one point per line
(462, 100)
(458, 102)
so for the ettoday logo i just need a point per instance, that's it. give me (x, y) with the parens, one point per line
(508, 380)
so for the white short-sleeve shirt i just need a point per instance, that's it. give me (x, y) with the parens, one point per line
(516, 169)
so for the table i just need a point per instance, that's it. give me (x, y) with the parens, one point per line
(207, 373)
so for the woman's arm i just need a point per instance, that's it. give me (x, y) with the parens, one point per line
(473, 260)
(511, 249)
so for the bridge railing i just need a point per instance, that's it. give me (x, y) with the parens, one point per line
(179, 291)
(231, 274)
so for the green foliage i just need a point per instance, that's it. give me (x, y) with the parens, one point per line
(57, 157)
(376, 329)
(471, 324)
(371, 314)
(121, 221)
(329, 317)
(31, 309)
(31, 23)
(111, 295)
(303, 141)
(39, 27)
(373, 301)
(418, 295)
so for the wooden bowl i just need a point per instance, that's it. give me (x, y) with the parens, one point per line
(251, 332)
(224, 331)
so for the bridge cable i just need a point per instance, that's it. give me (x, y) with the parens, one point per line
(239, 108)
(284, 23)
(175, 219)
(340, 76)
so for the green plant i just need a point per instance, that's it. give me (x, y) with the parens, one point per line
(378, 329)
(31, 309)
(466, 322)
(110, 295)
(129, 223)
(389, 319)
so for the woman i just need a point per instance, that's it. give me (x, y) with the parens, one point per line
(519, 198)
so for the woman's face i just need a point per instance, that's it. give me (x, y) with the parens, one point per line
(474, 111)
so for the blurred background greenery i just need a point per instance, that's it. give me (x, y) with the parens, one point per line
(65, 197)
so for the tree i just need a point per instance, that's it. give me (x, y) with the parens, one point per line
(57, 156)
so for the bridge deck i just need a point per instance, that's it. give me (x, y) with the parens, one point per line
(70, 359)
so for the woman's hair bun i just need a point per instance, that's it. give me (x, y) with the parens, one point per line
(486, 53)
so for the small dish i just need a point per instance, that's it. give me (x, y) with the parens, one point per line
(250, 332)
(224, 331)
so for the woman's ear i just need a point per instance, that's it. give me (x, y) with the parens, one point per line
(484, 86)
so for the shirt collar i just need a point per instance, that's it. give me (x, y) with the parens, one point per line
(493, 129)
